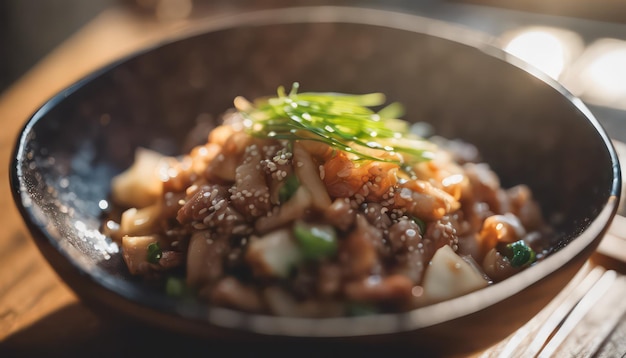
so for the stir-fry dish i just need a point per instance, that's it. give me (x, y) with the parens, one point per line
(317, 205)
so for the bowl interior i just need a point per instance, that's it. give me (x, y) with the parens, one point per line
(528, 130)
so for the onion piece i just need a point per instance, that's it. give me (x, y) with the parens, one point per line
(449, 276)
(273, 255)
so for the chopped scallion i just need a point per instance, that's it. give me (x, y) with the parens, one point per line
(421, 224)
(154, 253)
(316, 241)
(175, 286)
(288, 189)
(520, 254)
(360, 309)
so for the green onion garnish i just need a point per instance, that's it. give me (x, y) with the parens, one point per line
(343, 121)
(421, 224)
(355, 309)
(520, 254)
(288, 189)
(154, 253)
(316, 241)
(175, 287)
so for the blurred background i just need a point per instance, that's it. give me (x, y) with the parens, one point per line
(29, 29)
(581, 43)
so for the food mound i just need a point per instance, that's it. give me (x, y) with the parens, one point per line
(315, 205)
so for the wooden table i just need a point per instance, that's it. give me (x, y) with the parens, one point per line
(39, 314)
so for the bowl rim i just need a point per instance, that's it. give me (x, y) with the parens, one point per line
(324, 327)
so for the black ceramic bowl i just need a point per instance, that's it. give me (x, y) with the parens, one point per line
(526, 125)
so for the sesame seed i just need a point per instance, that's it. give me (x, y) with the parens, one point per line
(198, 226)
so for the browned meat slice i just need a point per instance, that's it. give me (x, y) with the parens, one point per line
(250, 194)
